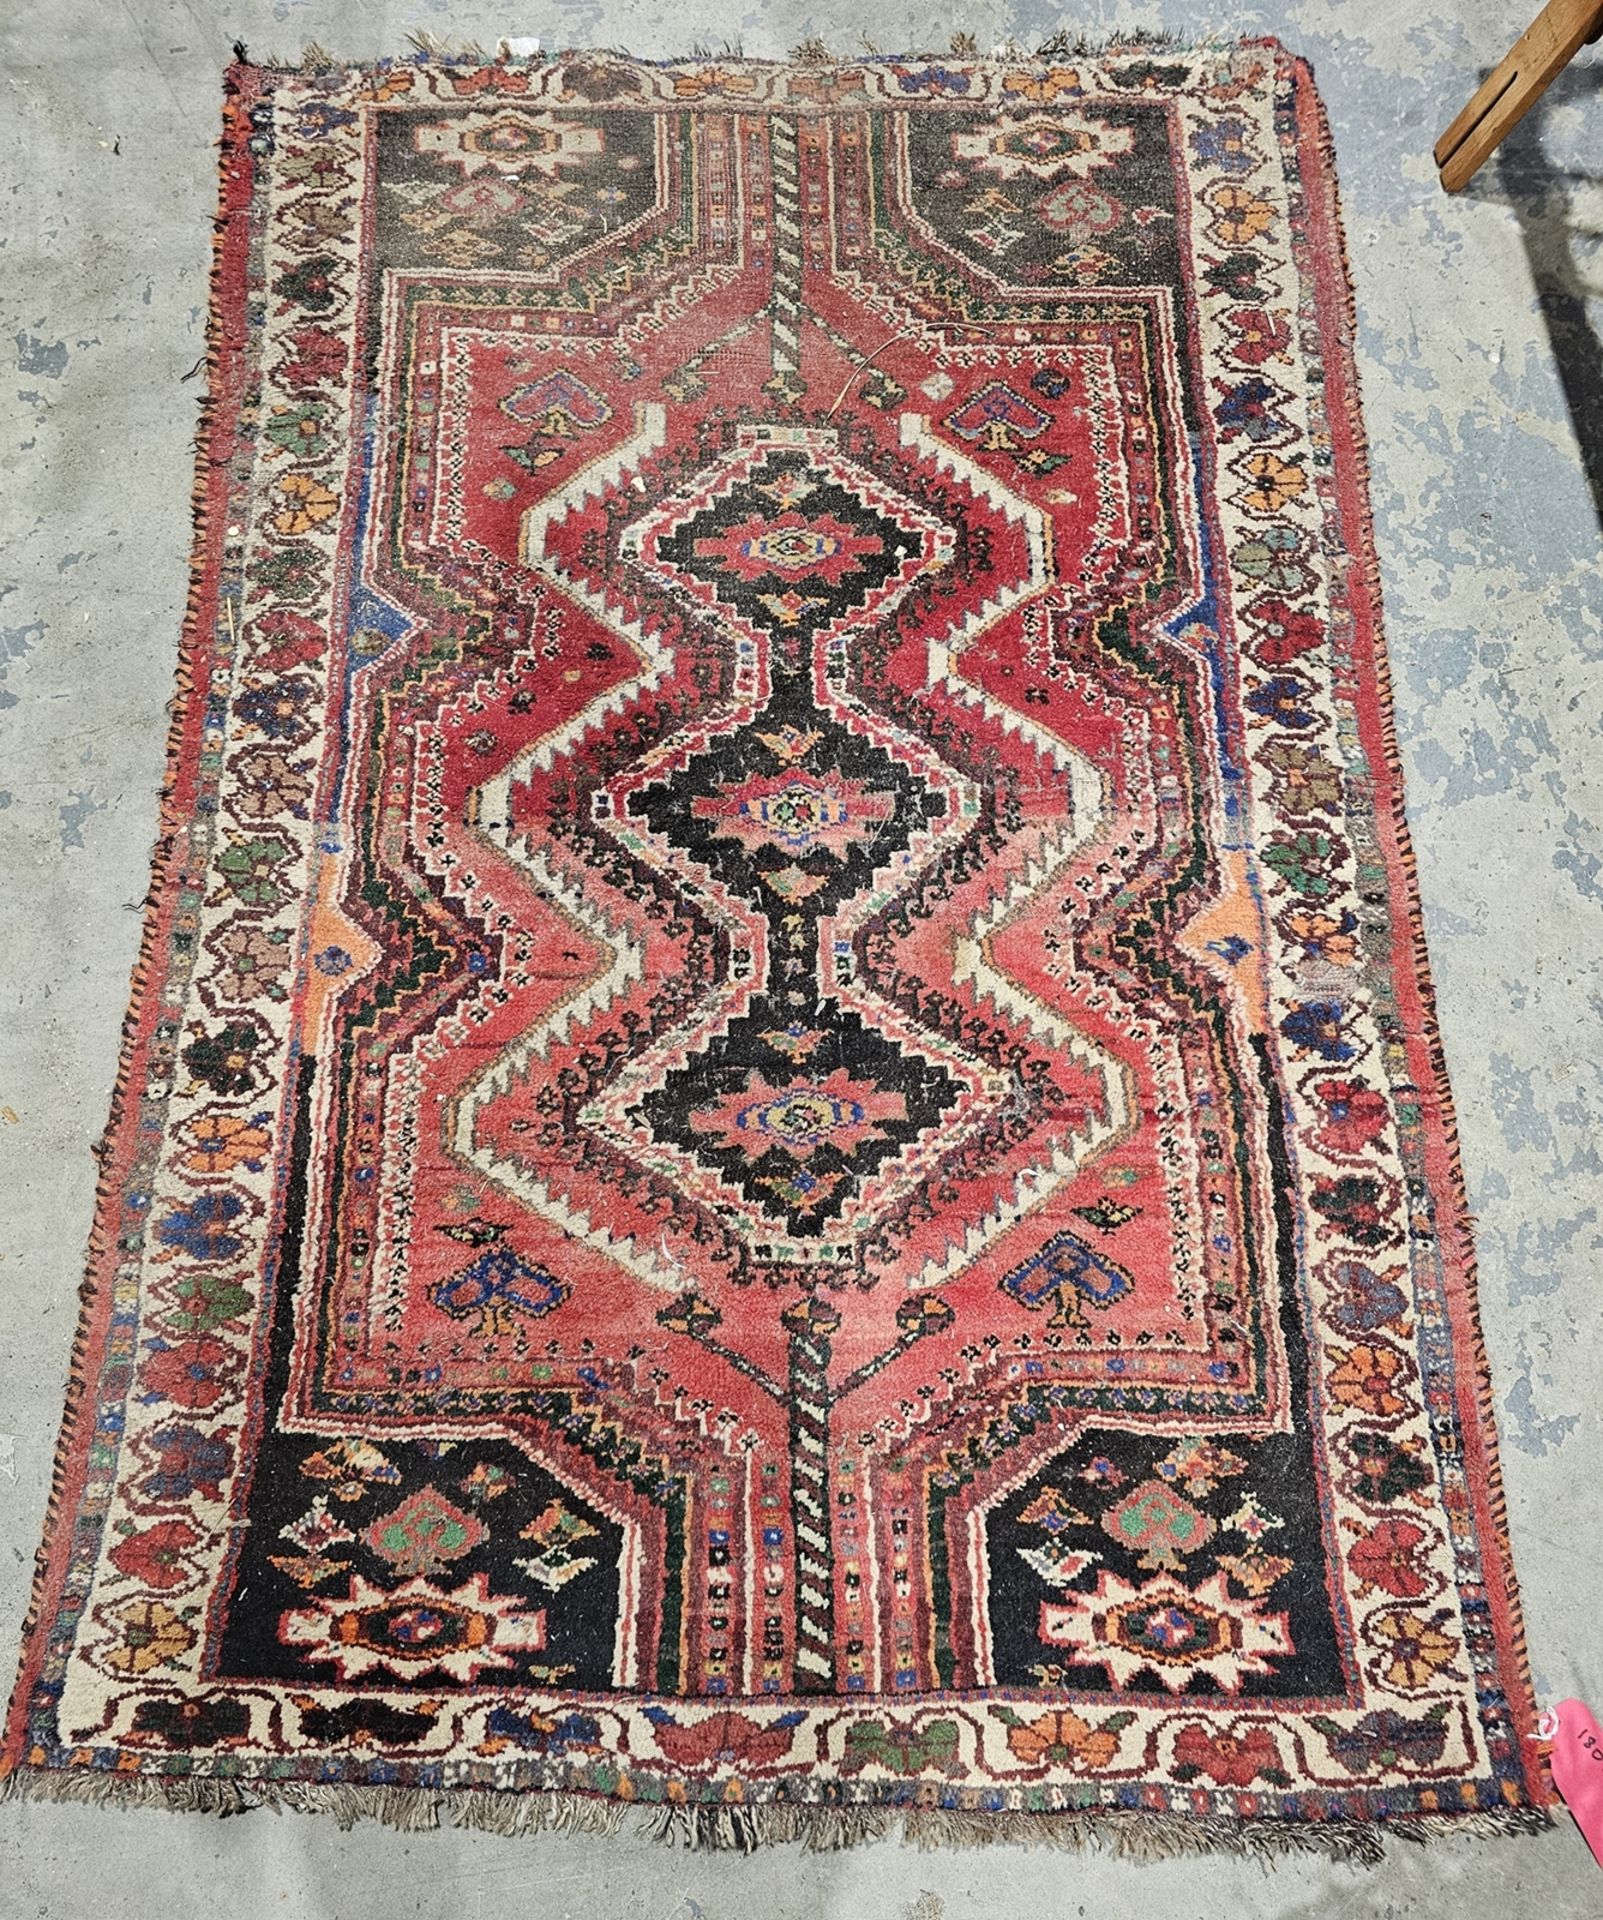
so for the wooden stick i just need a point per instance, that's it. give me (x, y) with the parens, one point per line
(1513, 87)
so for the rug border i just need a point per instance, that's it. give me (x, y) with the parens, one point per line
(1413, 981)
(215, 443)
(1136, 1834)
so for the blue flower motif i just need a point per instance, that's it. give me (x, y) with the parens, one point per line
(497, 1285)
(1283, 699)
(333, 961)
(201, 1229)
(278, 710)
(543, 1733)
(931, 80)
(1246, 409)
(1224, 145)
(320, 117)
(190, 1462)
(1367, 1301)
(1315, 1027)
(1064, 1274)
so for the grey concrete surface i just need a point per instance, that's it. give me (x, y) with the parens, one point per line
(1483, 381)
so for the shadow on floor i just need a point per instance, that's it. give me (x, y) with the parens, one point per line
(1565, 253)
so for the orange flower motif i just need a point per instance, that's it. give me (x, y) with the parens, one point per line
(1043, 86)
(1322, 937)
(691, 86)
(1363, 1380)
(1239, 215)
(1256, 1572)
(826, 88)
(152, 1634)
(307, 503)
(1065, 1740)
(1274, 482)
(219, 1142)
(490, 80)
(388, 86)
(1415, 1650)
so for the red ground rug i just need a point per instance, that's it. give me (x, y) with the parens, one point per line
(781, 1153)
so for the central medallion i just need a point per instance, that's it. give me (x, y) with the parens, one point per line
(798, 1101)
(760, 1091)
(793, 1101)
(787, 537)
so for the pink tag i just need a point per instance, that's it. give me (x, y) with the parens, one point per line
(1577, 1763)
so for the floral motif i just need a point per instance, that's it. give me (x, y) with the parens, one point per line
(1358, 1206)
(350, 1467)
(270, 785)
(1305, 862)
(149, 1635)
(306, 503)
(1199, 1465)
(726, 1739)
(253, 961)
(1229, 1759)
(801, 1116)
(1078, 211)
(1413, 1650)
(202, 1301)
(425, 1533)
(205, 1228)
(510, 143)
(1387, 1469)
(1240, 216)
(1274, 482)
(187, 1462)
(1063, 1739)
(1355, 1116)
(1284, 700)
(1260, 336)
(194, 1374)
(1161, 1526)
(318, 358)
(278, 708)
(251, 869)
(1224, 144)
(298, 430)
(1366, 1378)
(157, 1556)
(224, 1142)
(190, 1724)
(1386, 1556)
(1317, 1027)
(1282, 633)
(1384, 1741)
(1275, 558)
(899, 1748)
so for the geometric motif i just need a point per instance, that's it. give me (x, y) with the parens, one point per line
(782, 1152)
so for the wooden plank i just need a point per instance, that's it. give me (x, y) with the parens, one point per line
(1509, 91)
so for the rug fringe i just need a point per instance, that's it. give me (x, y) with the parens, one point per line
(745, 1828)
(814, 51)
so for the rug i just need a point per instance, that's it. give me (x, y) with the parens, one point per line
(781, 1154)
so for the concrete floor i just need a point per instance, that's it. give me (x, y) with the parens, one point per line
(1483, 382)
